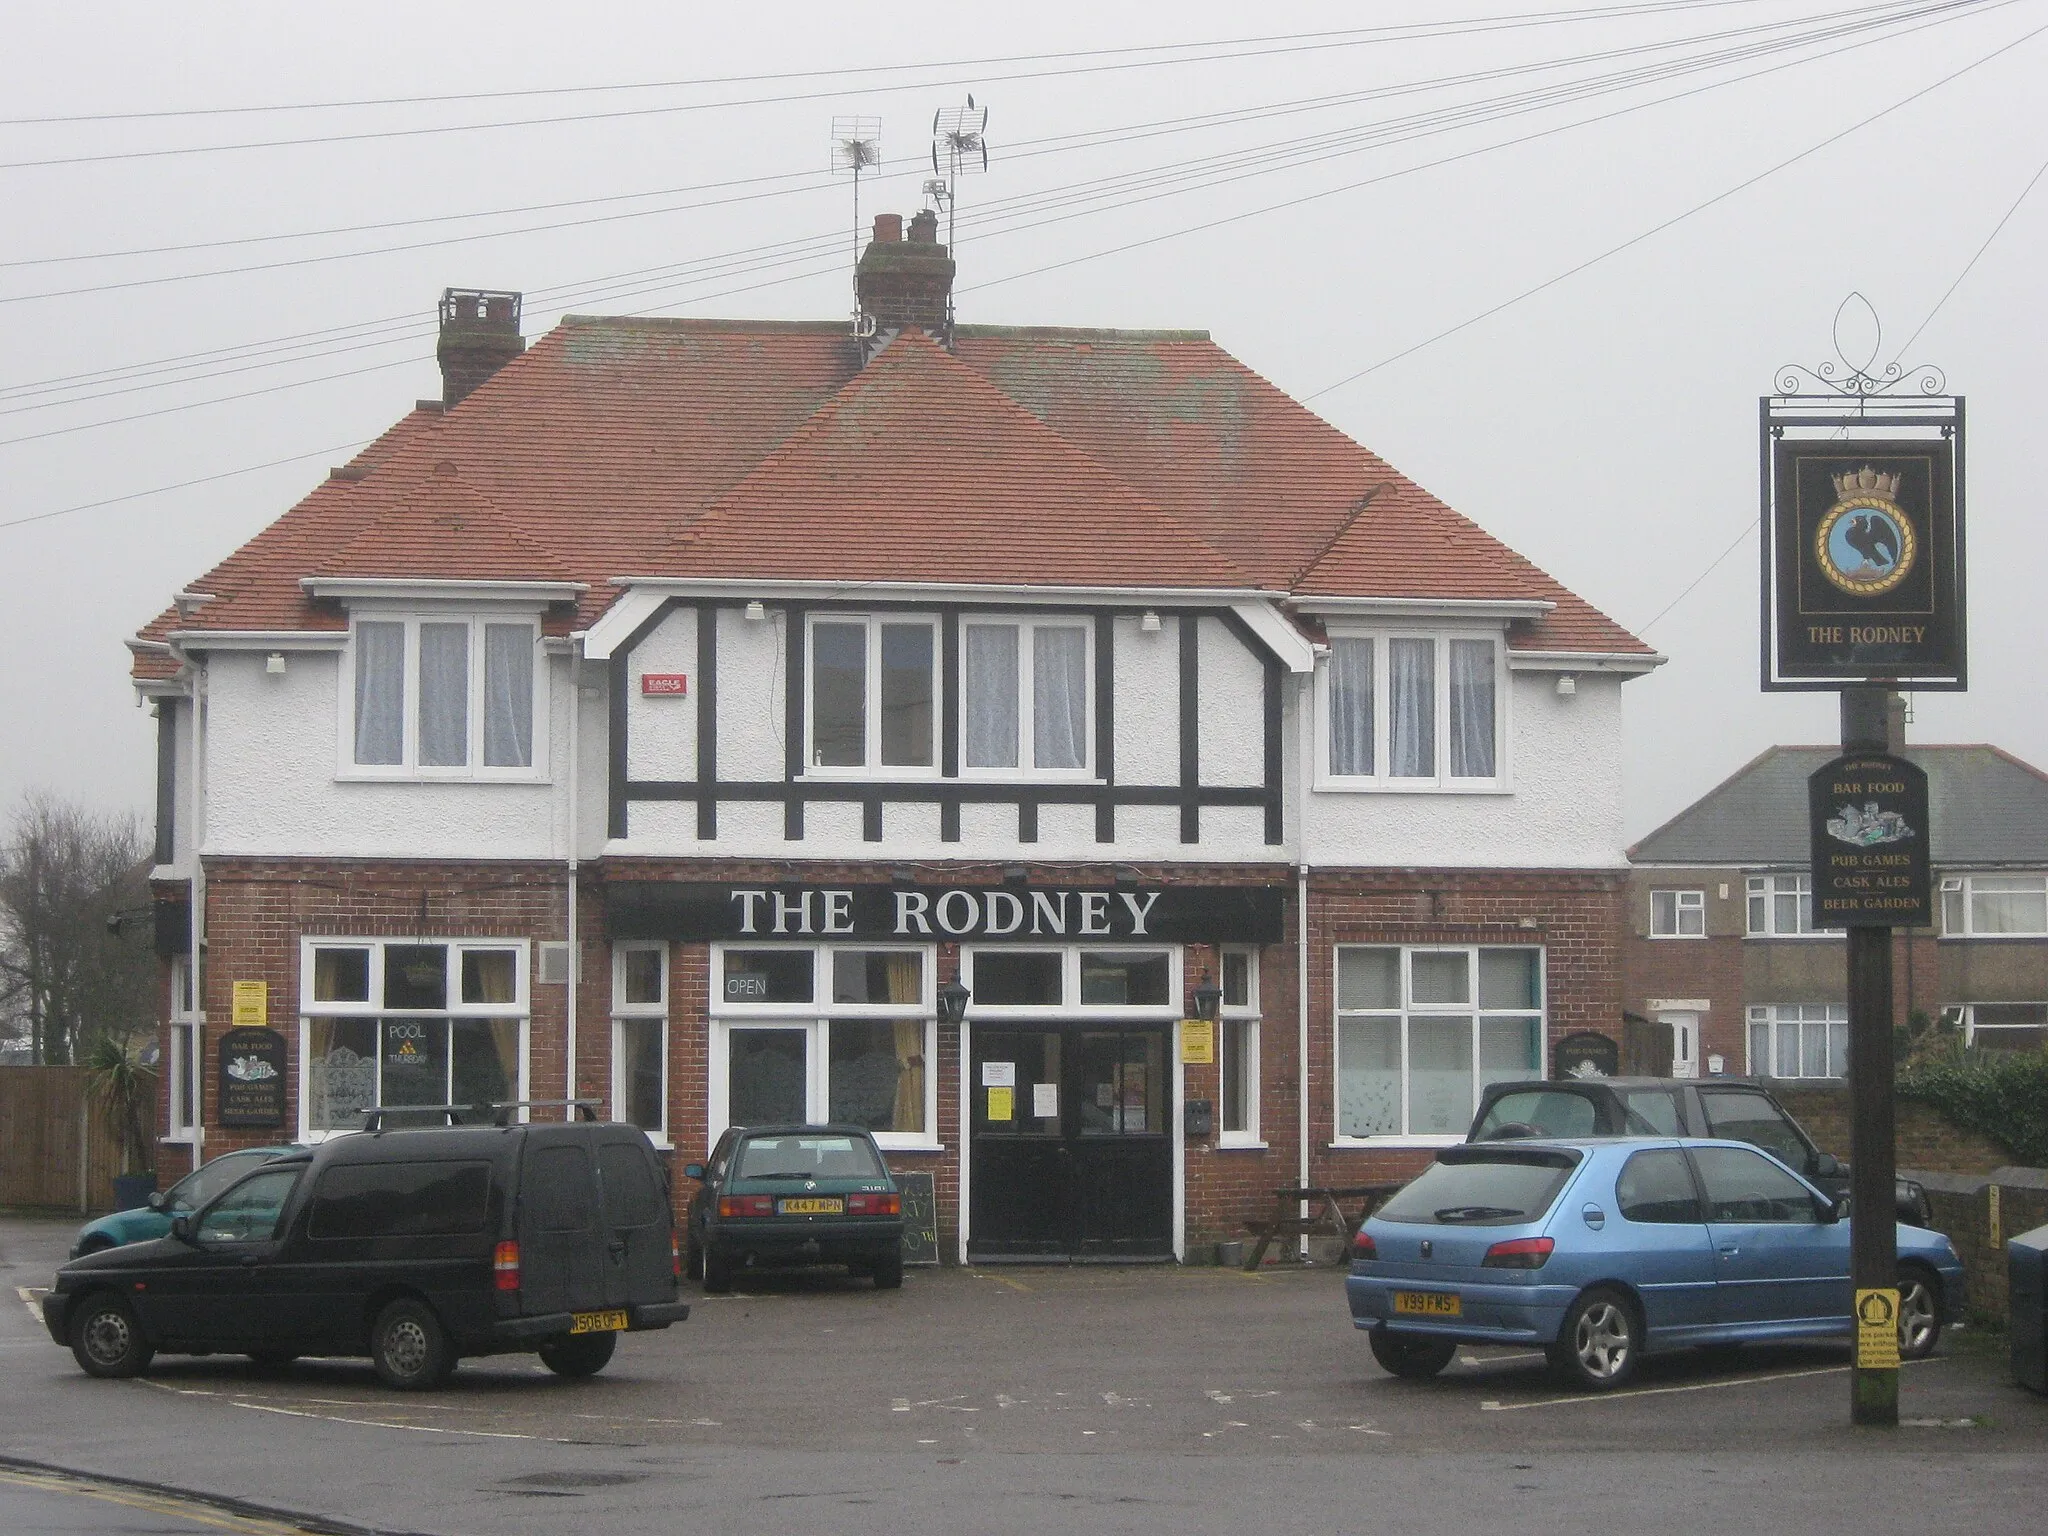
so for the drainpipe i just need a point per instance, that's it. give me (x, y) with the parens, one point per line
(196, 917)
(1304, 766)
(575, 949)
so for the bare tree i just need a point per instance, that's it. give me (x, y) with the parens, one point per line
(66, 973)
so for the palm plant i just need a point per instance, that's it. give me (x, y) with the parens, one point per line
(126, 1090)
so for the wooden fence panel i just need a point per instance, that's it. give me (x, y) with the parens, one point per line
(57, 1148)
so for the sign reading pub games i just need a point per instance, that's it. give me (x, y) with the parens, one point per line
(1863, 564)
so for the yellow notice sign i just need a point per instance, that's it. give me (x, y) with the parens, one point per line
(1877, 1330)
(1198, 1042)
(252, 1005)
(1002, 1103)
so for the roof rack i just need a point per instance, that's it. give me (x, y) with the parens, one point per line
(489, 1113)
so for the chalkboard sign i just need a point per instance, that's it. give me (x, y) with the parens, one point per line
(1585, 1054)
(920, 1218)
(251, 1091)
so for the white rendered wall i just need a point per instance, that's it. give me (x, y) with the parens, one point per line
(272, 786)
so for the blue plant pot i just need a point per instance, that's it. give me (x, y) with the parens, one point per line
(132, 1190)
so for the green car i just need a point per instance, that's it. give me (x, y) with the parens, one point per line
(794, 1194)
(181, 1199)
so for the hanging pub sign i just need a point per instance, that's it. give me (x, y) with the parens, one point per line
(1588, 1053)
(252, 1079)
(1863, 564)
(1869, 842)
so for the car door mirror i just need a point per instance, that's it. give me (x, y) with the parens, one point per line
(1828, 1211)
(1827, 1166)
(694, 1171)
(181, 1228)
(156, 1199)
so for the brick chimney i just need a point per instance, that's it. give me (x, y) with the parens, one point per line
(906, 282)
(479, 335)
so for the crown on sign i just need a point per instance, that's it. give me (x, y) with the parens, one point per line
(1867, 482)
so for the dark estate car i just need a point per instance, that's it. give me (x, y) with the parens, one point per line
(1737, 1108)
(794, 1194)
(414, 1247)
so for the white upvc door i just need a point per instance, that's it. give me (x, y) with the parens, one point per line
(1685, 1042)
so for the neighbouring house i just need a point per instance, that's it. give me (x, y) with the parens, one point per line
(1056, 750)
(1722, 952)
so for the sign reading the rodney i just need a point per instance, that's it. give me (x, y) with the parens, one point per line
(1864, 564)
(653, 909)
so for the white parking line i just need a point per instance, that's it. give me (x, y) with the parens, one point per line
(1491, 1406)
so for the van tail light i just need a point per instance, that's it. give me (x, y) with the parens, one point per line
(505, 1266)
(1363, 1247)
(746, 1205)
(874, 1205)
(1518, 1253)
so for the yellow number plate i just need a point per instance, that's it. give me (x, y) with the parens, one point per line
(1428, 1304)
(597, 1322)
(815, 1206)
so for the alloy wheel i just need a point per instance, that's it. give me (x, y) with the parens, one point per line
(1603, 1341)
(1919, 1324)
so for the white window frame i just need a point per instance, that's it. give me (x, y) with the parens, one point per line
(1768, 888)
(626, 1013)
(310, 1010)
(1070, 1004)
(1971, 1027)
(1027, 625)
(1246, 1013)
(1381, 780)
(186, 1070)
(1773, 1017)
(1407, 1011)
(1680, 907)
(1965, 889)
(815, 1018)
(409, 766)
(872, 766)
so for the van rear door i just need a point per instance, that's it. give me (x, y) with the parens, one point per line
(638, 1263)
(561, 1247)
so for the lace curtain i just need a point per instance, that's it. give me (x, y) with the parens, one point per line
(380, 693)
(991, 695)
(508, 696)
(1472, 709)
(1411, 679)
(1351, 707)
(444, 695)
(1059, 697)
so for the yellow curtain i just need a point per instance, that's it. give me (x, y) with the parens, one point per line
(906, 972)
(909, 1112)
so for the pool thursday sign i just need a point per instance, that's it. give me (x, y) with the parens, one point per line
(1868, 815)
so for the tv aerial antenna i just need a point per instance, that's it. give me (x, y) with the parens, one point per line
(959, 147)
(857, 147)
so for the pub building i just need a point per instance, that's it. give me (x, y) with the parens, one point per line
(1058, 751)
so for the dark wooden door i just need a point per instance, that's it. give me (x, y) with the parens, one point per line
(1071, 1142)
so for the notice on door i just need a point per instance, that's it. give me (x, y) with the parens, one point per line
(1045, 1105)
(1877, 1330)
(999, 1074)
(1002, 1104)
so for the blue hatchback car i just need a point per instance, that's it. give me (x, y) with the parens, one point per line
(144, 1222)
(1599, 1251)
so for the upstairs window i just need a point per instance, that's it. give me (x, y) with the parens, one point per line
(872, 683)
(1678, 914)
(1411, 711)
(1994, 906)
(442, 697)
(1026, 690)
(1780, 906)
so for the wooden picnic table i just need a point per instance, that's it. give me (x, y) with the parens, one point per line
(1314, 1210)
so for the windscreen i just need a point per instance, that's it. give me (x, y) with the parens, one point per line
(1481, 1192)
(808, 1157)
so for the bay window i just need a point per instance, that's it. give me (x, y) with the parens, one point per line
(1025, 695)
(1421, 1031)
(441, 696)
(807, 1033)
(409, 1023)
(872, 684)
(1411, 711)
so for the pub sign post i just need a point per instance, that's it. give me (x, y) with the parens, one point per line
(1863, 592)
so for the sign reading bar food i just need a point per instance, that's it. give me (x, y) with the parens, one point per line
(1869, 843)
(689, 911)
(1864, 564)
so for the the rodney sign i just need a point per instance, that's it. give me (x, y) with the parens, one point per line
(658, 909)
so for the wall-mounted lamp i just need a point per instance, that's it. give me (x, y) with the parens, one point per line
(1208, 996)
(274, 664)
(756, 611)
(1150, 622)
(1567, 686)
(953, 1003)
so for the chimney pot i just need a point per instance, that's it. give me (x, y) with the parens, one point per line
(479, 335)
(924, 227)
(888, 228)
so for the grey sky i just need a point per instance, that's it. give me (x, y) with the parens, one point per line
(1605, 426)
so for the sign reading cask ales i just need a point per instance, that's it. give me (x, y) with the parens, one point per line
(1869, 841)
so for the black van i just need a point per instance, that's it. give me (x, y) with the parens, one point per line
(414, 1247)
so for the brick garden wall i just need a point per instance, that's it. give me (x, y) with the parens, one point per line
(1922, 1137)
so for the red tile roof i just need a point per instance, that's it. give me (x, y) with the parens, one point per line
(761, 450)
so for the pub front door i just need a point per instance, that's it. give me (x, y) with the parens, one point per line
(1070, 1142)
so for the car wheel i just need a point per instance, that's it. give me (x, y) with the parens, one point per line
(1600, 1342)
(107, 1341)
(717, 1272)
(409, 1347)
(888, 1272)
(97, 1243)
(1410, 1358)
(1919, 1313)
(584, 1354)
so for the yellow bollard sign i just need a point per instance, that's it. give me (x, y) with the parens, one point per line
(1877, 1330)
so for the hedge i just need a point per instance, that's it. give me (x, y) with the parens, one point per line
(2002, 1094)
